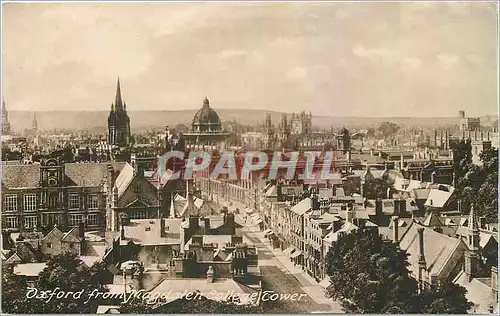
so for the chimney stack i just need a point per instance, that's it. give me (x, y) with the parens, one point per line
(162, 227)
(482, 222)
(315, 202)
(422, 265)
(395, 229)
(433, 177)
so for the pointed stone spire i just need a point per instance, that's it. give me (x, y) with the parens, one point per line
(112, 107)
(34, 124)
(118, 99)
(473, 224)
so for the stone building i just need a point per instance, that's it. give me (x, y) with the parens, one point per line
(39, 196)
(206, 128)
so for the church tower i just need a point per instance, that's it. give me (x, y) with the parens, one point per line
(118, 121)
(5, 120)
(472, 256)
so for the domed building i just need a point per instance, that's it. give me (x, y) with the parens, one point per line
(206, 128)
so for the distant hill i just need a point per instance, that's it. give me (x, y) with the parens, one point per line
(97, 120)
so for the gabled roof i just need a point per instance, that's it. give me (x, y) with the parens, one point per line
(124, 179)
(71, 236)
(438, 248)
(437, 198)
(432, 220)
(302, 207)
(77, 174)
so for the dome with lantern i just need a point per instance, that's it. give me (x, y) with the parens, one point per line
(206, 120)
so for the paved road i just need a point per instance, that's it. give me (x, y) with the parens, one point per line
(278, 278)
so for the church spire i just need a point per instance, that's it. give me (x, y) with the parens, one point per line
(118, 99)
(34, 123)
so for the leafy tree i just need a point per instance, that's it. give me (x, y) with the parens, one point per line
(369, 275)
(64, 273)
(388, 129)
(447, 298)
(13, 291)
(477, 185)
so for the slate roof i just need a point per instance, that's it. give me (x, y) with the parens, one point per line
(147, 232)
(478, 293)
(302, 207)
(438, 248)
(124, 179)
(437, 198)
(77, 174)
(29, 269)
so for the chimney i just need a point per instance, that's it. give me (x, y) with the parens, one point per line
(210, 274)
(348, 155)
(388, 193)
(111, 175)
(350, 214)
(194, 222)
(378, 208)
(482, 222)
(230, 223)
(81, 231)
(206, 224)
(395, 229)
(279, 192)
(162, 227)
(122, 232)
(371, 152)
(315, 202)
(402, 161)
(421, 255)
(433, 177)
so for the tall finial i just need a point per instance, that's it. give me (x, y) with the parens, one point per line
(112, 107)
(473, 225)
(206, 102)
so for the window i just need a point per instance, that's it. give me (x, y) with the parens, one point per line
(75, 220)
(71, 245)
(30, 222)
(138, 215)
(30, 202)
(49, 245)
(93, 219)
(74, 201)
(93, 201)
(137, 188)
(11, 222)
(10, 203)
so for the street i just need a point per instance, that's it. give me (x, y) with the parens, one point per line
(281, 277)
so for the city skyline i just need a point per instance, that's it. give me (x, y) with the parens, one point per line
(285, 57)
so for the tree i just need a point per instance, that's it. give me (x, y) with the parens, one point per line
(63, 273)
(13, 291)
(447, 298)
(477, 185)
(369, 274)
(388, 129)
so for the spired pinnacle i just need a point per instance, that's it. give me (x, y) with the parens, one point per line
(118, 99)
(206, 102)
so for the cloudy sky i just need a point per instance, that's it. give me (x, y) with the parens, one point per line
(343, 59)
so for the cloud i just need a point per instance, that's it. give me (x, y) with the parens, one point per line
(314, 56)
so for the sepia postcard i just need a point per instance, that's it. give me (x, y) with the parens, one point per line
(246, 157)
